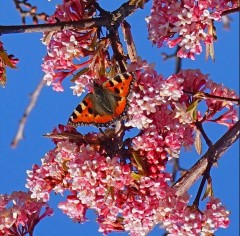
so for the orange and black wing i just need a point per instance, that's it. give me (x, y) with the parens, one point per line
(120, 85)
(84, 114)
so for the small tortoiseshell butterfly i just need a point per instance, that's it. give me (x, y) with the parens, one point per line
(107, 102)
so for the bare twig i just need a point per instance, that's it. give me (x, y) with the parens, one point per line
(26, 9)
(19, 135)
(214, 153)
(178, 65)
(206, 175)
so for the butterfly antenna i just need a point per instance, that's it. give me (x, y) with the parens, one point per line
(102, 132)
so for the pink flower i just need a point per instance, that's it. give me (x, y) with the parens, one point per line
(19, 213)
(215, 215)
(78, 89)
(74, 209)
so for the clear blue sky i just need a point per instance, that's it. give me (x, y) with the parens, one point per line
(54, 108)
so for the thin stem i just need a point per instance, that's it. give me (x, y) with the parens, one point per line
(202, 131)
(200, 190)
(203, 95)
(176, 169)
(30, 11)
(178, 64)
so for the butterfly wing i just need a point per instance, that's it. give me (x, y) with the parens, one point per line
(120, 87)
(85, 114)
(120, 84)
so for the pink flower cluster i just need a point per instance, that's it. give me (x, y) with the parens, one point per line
(82, 170)
(188, 19)
(140, 212)
(188, 221)
(126, 196)
(160, 108)
(66, 47)
(99, 183)
(155, 101)
(215, 215)
(19, 214)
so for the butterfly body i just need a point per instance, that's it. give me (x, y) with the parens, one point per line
(104, 101)
(107, 102)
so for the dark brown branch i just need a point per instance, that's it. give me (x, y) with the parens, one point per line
(200, 190)
(230, 11)
(117, 49)
(100, 9)
(19, 135)
(84, 24)
(178, 65)
(214, 153)
(123, 11)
